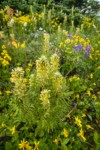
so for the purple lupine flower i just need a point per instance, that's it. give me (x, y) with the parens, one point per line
(87, 51)
(88, 48)
(70, 36)
(78, 47)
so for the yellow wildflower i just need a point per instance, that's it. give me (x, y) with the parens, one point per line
(61, 45)
(23, 144)
(91, 75)
(56, 140)
(3, 47)
(28, 147)
(78, 122)
(8, 92)
(23, 45)
(89, 127)
(83, 115)
(5, 62)
(36, 145)
(65, 133)
(88, 92)
(12, 130)
(30, 65)
(67, 41)
(15, 44)
(81, 134)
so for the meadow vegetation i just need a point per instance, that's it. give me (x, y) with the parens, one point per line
(49, 78)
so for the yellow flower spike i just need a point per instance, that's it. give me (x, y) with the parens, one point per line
(56, 140)
(36, 143)
(78, 121)
(44, 97)
(65, 133)
(91, 75)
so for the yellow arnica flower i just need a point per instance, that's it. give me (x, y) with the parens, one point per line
(78, 122)
(81, 134)
(23, 144)
(65, 133)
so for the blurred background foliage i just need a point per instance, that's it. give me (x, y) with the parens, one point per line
(84, 6)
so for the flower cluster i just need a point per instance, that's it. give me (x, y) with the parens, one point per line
(59, 83)
(46, 42)
(25, 145)
(76, 44)
(18, 44)
(43, 69)
(5, 58)
(54, 62)
(44, 97)
(17, 77)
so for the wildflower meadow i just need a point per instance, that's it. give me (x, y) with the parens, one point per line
(49, 78)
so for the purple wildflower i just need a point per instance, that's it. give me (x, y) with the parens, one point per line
(70, 36)
(78, 47)
(87, 51)
(88, 48)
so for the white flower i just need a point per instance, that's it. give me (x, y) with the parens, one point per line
(25, 24)
(12, 21)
